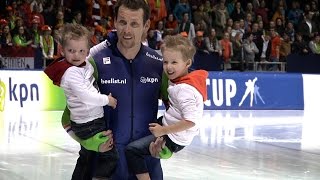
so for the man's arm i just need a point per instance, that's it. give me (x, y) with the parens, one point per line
(164, 90)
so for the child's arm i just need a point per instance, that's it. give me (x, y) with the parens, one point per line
(158, 130)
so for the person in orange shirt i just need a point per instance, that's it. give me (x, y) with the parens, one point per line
(227, 50)
(158, 11)
(275, 48)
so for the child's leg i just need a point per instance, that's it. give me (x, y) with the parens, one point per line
(84, 166)
(170, 148)
(88, 129)
(135, 152)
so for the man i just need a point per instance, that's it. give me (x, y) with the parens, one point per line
(133, 74)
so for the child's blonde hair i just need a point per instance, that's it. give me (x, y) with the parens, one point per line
(181, 44)
(74, 32)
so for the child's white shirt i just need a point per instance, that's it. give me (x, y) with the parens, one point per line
(83, 99)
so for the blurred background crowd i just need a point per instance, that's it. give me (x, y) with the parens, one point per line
(239, 33)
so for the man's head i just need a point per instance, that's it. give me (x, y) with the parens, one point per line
(178, 53)
(131, 22)
(75, 43)
(134, 5)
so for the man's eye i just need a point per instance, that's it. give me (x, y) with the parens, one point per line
(134, 24)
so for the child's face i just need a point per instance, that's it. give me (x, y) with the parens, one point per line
(76, 51)
(174, 65)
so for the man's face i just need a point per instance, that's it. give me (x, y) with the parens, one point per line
(130, 27)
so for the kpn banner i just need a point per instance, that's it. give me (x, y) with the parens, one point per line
(29, 90)
(33, 90)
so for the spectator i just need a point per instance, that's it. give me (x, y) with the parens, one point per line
(171, 25)
(180, 9)
(158, 11)
(20, 39)
(236, 29)
(261, 27)
(36, 4)
(231, 6)
(187, 26)
(314, 44)
(248, 22)
(49, 14)
(214, 42)
(34, 33)
(59, 20)
(308, 27)
(153, 41)
(238, 12)
(237, 51)
(249, 51)
(159, 30)
(221, 16)
(229, 22)
(300, 45)
(6, 38)
(263, 11)
(46, 44)
(95, 10)
(285, 48)
(96, 34)
(280, 26)
(208, 8)
(19, 22)
(280, 13)
(77, 17)
(57, 46)
(26, 11)
(275, 48)
(199, 16)
(290, 30)
(295, 13)
(227, 50)
(250, 10)
(264, 47)
(201, 43)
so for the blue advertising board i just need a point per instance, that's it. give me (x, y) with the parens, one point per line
(245, 91)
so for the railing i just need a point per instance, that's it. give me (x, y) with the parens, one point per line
(30, 58)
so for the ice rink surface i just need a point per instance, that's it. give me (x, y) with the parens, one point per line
(232, 145)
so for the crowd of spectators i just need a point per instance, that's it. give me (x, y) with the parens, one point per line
(242, 31)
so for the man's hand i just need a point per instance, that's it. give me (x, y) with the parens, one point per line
(108, 145)
(156, 147)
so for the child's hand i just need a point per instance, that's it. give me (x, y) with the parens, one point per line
(156, 129)
(112, 101)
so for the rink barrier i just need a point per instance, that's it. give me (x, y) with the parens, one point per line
(32, 90)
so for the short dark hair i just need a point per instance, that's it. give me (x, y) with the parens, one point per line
(134, 5)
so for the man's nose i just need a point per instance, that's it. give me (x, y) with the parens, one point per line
(127, 28)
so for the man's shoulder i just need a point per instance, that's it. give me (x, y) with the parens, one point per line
(151, 53)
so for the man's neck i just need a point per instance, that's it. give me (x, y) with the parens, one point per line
(129, 53)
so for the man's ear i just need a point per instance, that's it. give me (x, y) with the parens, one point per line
(62, 53)
(146, 26)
